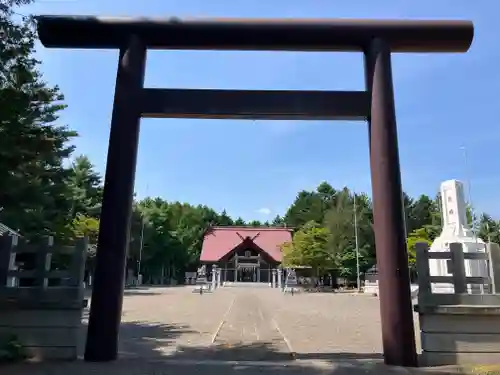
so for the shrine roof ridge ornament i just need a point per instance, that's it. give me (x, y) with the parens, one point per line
(347, 35)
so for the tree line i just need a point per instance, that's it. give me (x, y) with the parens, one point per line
(47, 189)
(329, 222)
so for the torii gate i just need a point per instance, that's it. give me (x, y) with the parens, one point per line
(376, 39)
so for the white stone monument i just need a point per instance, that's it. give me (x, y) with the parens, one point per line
(455, 229)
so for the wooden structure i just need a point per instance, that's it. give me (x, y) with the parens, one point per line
(45, 317)
(248, 264)
(459, 327)
(244, 254)
(6, 231)
(376, 39)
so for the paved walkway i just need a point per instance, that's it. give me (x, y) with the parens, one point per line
(175, 331)
(250, 329)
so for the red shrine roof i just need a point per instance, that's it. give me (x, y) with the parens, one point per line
(219, 241)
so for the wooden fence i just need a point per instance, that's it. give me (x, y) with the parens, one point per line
(459, 279)
(68, 276)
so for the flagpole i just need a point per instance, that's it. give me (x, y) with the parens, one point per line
(141, 247)
(358, 280)
(467, 178)
(141, 243)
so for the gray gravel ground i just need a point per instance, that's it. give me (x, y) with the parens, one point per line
(244, 330)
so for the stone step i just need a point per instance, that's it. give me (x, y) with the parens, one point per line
(246, 284)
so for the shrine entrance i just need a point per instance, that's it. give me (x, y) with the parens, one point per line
(376, 39)
(248, 273)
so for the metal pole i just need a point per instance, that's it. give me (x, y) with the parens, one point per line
(469, 195)
(358, 281)
(398, 331)
(142, 241)
(471, 206)
(141, 247)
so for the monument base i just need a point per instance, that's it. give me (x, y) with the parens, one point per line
(44, 331)
(443, 267)
(454, 335)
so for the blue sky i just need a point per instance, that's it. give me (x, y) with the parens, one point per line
(443, 102)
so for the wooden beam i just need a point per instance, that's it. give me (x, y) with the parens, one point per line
(256, 34)
(242, 104)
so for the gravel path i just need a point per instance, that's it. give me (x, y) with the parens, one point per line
(329, 326)
(322, 324)
(250, 327)
(175, 331)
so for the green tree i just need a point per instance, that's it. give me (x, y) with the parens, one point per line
(309, 247)
(224, 219)
(33, 146)
(339, 220)
(418, 235)
(420, 212)
(489, 229)
(255, 223)
(308, 206)
(278, 221)
(86, 226)
(239, 221)
(86, 188)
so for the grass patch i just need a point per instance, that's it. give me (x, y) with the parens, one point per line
(11, 350)
(485, 370)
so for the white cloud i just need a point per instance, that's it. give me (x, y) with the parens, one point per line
(264, 211)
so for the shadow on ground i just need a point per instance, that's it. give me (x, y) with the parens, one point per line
(146, 340)
(254, 352)
(149, 340)
(152, 349)
(139, 292)
(149, 290)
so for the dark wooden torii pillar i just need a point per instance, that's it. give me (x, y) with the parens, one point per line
(377, 39)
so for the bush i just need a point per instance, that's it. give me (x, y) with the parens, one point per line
(12, 350)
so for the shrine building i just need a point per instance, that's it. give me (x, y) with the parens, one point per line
(244, 254)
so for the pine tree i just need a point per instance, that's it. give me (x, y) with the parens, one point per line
(33, 146)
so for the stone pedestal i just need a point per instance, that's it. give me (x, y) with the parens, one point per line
(371, 281)
(460, 335)
(46, 331)
(190, 278)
